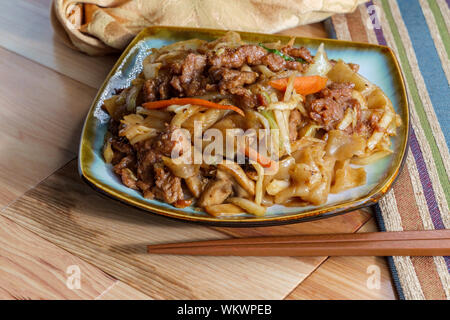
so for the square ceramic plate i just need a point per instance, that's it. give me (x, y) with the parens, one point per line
(377, 63)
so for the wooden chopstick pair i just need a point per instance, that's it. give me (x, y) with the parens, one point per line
(402, 243)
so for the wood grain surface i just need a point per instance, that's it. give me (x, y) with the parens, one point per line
(347, 277)
(41, 115)
(112, 236)
(33, 268)
(27, 31)
(46, 91)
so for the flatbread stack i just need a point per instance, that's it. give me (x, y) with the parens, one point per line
(99, 27)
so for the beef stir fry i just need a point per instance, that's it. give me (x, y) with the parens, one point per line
(319, 120)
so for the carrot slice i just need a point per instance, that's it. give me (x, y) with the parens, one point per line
(256, 156)
(198, 102)
(303, 85)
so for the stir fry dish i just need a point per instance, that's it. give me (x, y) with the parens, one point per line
(233, 128)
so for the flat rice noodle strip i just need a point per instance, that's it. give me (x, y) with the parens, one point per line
(238, 174)
(342, 146)
(181, 170)
(155, 123)
(276, 186)
(258, 187)
(207, 119)
(284, 132)
(162, 115)
(195, 186)
(224, 210)
(280, 105)
(346, 177)
(184, 114)
(248, 206)
(191, 44)
(144, 136)
(291, 192)
(341, 72)
(347, 120)
(371, 158)
(265, 71)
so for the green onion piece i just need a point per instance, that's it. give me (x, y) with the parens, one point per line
(281, 54)
(268, 114)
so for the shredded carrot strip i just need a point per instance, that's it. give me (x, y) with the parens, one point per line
(256, 156)
(198, 102)
(303, 85)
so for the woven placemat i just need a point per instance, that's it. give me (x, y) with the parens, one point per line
(418, 32)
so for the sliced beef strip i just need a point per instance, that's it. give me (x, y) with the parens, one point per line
(353, 66)
(188, 79)
(167, 186)
(244, 98)
(156, 180)
(276, 63)
(327, 107)
(150, 90)
(122, 145)
(164, 88)
(301, 53)
(150, 152)
(128, 178)
(229, 78)
(251, 55)
(294, 122)
(192, 67)
(195, 74)
(124, 165)
(236, 57)
(146, 188)
(146, 158)
(113, 127)
(157, 88)
(367, 125)
(127, 162)
(163, 143)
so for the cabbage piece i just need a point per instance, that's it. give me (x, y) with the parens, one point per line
(321, 64)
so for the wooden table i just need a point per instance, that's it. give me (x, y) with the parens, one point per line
(52, 225)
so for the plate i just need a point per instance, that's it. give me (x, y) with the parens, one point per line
(377, 63)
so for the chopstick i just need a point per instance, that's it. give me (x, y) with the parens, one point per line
(401, 243)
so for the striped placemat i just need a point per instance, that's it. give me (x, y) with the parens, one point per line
(418, 32)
